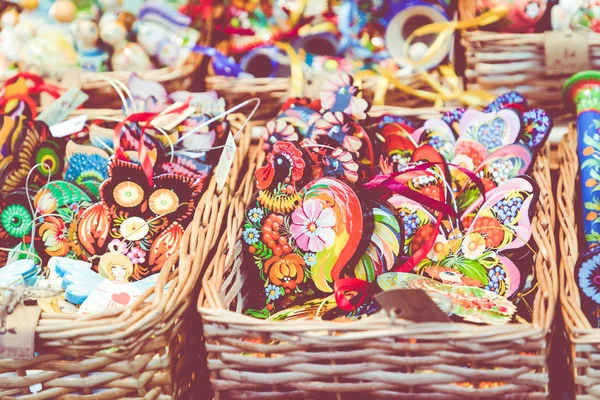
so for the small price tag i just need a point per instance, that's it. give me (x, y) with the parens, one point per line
(59, 110)
(17, 333)
(567, 52)
(168, 121)
(411, 304)
(68, 127)
(225, 162)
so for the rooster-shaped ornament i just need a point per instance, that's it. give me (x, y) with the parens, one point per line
(299, 234)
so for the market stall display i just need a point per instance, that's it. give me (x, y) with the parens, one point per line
(346, 206)
(106, 223)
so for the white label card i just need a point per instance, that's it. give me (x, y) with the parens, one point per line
(68, 127)
(225, 162)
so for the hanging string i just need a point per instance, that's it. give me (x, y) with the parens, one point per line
(28, 195)
(120, 87)
(216, 118)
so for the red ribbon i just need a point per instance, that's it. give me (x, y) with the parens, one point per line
(38, 86)
(147, 118)
(365, 290)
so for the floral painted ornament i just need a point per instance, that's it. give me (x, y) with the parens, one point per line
(469, 303)
(335, 163)
(299, 234)
(339, 94)
(588, 280)
(145, 221)
(339, 130)
(278, 130)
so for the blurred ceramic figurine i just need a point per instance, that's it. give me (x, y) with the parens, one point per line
(90, 56)
(165, 33)
(51, 51)
(126, 56)
(13, 35)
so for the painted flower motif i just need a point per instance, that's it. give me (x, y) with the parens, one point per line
(310, 259)
(453, 116)
(134, 228)
(339, 94)
(250, 235)
(440, 248)
(137, 255)
(117, 246)
(273, 292)
(473, 150)
(332, 64)
(507, 210)
(500, 170)
(45, 202)
(337, 127)
(286, 271)
(312, 226)
(256, 214)
(75, 208)
(463, 161)
(340, 164)
(54, 235)
(276, 131)
(411, 221)
(16, 220)
(589, 278)
(473, 245)
(497, 280)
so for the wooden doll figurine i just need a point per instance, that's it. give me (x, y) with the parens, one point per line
(127, 56)
(116, 291)
(90, 57)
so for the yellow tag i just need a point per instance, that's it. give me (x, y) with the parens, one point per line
(567, 52)
(17, 333)
(225, 162)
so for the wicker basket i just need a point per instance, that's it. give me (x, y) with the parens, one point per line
(273, 92)
(584, 340)
(127, 353)
(499, 62)
(373, 358)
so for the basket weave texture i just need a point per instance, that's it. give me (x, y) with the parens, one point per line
(377, 357)
(103, 95)
(584, 340)
(273, 92)
(499, 62)
(131, 352)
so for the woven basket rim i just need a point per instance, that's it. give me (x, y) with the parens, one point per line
(545, 300)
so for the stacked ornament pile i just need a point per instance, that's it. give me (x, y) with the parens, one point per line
(349, 205)
(97, 210)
